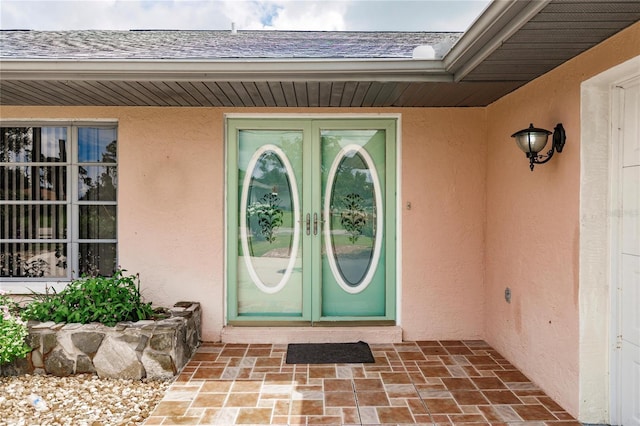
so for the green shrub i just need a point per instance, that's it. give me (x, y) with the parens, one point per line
(13, 332)
(107, 300)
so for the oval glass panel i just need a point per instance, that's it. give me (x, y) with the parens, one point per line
(269, 232)
(354, 215)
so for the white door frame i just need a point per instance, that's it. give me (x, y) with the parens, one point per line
(598, 305)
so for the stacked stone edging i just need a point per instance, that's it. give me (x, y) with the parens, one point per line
(130, 350)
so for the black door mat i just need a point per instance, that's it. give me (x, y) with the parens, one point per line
(329, 353)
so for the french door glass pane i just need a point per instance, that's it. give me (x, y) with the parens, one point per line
(97, 222)
(97, 259)
(31, 222)
(353, 258)
(33, 144)
(33, 260)
(97, 183)
(26, 183)
(269, 247)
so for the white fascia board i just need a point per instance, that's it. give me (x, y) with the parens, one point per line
(226, 70)
(499, 21)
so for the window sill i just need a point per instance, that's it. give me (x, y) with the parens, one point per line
(29, 287)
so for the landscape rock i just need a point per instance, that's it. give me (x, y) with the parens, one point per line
(36, 359)
(49, 341)
(87, 342)
(84, 365)
(59, 364)
(116, 359)
(17, 368)
(79, 400)
(163, 340)
(158, 365)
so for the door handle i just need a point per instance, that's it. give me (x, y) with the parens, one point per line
(308, 223)
(315, 224)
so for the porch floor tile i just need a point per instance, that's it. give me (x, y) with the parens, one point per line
(432, 383)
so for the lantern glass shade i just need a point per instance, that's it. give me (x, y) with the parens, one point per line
(531, 140)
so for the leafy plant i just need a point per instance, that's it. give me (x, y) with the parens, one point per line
(13, 332)
(107, 300)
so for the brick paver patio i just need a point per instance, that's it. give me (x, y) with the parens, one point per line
(430, 382)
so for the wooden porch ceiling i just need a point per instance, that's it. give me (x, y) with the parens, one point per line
(251, 93)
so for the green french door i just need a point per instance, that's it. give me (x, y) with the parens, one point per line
(311, 221)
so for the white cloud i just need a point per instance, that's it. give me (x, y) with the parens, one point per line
(414, 15)
(329, 15)
(311, 16)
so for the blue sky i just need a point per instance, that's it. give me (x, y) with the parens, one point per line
(328, 15)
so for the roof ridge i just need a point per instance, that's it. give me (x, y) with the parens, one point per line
(168, 30)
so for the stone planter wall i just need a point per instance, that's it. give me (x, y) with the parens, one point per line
(130, 350)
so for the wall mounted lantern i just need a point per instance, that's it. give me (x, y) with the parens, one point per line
(533, 140)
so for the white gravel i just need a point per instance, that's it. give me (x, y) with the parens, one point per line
(78, 400)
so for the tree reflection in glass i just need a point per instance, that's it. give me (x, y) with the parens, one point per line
(269, 203)
(97, 182)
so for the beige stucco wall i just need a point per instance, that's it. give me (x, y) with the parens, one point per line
(443, 177)
(532, 231)
(171, 208)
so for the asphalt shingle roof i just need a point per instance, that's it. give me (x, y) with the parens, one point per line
(202, 45)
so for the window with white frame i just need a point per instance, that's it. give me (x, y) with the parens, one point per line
(58, 203)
